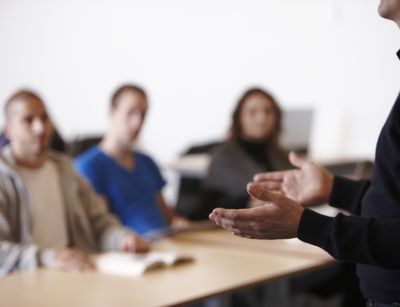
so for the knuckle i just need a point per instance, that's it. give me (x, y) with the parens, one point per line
(234, 215)
(234, 224)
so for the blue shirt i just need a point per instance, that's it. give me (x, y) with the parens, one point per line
(131, 194)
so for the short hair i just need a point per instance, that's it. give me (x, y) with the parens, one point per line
(22, 94)
(125, 88)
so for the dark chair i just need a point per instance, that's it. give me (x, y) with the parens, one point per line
(189, 191)
(81, 144)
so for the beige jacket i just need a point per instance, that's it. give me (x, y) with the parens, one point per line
(90, 227)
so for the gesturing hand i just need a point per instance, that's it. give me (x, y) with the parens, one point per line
(309, 184)
(278, 218)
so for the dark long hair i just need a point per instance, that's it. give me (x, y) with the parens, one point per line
(235, 131)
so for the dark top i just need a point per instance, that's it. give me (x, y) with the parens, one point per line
(257, 151)
(372, 240)
(233, 165)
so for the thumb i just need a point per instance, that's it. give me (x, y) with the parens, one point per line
(258, 192)
(296, 160)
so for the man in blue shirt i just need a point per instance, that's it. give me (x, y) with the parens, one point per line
(129, 180)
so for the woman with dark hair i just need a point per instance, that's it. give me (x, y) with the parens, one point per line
(252, 146)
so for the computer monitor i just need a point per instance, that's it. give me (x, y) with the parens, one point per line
(296, 129)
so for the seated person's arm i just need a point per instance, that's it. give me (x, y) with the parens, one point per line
(16, 256)
(26, 257)
(109, 231)
(173, 219)
(21, 257)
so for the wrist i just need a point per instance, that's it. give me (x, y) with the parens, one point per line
(298, 222)
(329, 186)
(46, 257)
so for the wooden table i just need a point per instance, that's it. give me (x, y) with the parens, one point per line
(217, 269)
(222, 238)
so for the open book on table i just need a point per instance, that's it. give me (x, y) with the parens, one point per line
(136, 264)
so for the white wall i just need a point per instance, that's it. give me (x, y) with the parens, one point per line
(196, 57)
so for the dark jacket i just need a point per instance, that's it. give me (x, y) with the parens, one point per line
(372, 239)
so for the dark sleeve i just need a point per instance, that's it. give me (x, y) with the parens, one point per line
(354, 239)
(347, 194)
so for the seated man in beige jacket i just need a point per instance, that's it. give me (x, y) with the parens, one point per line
(49, 216)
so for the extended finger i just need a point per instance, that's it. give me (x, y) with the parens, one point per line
(223, 217)
(270, 185)
(233, 219)
(296, 160)
(248, 229)
(259, 192)
(269, 176)
(220, 214)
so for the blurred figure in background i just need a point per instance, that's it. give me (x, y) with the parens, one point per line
(49, 216)
(252, 147)
(129, 180)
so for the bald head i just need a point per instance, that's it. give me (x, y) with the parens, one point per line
(18, 97)
(28, 126)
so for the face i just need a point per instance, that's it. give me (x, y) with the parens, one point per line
(258, 118)
(390, 9)
(127, 116)
(28, 127)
